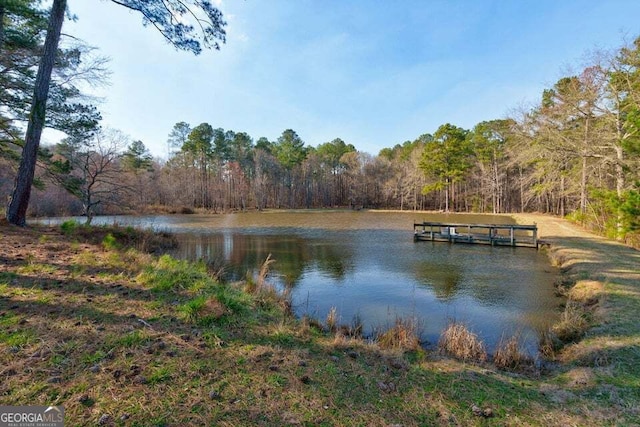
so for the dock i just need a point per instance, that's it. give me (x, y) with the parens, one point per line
(484, 234)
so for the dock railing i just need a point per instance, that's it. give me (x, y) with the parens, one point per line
(488, 234)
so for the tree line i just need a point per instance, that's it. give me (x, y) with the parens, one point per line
(35, 64)
(575, 152)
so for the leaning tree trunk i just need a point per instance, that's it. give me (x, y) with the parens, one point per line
(17, 209)
(2, 26)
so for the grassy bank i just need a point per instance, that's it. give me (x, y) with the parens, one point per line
(122, 337)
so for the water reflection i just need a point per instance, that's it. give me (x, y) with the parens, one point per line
(442, 278)
(241, 253)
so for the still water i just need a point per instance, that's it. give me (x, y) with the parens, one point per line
(366, 264)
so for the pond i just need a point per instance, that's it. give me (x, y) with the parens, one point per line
(366, 265)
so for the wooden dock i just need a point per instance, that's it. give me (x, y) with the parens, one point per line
(486, 234)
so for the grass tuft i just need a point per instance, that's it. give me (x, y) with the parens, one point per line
(332, 319)
(549, 344)
(402, 336)
(203, 310)
(573, 323)
(264, 271)
(69, 227)
(168, 274)
(266, 295)
(110, 243)
(457, 341)
(133, 339)
(510, 356)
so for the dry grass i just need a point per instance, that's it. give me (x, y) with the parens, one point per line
(402, 336)
(457, 341)
(332, 319)
(587, 292)
(265, 293)
(265, 268)
(573, 324)
(549, 345)
(509, 355)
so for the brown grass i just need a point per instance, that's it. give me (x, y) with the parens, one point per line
(264, 271)
(573, 323)
(549, 345)
(587, 292)
(332, 319)
(265, 293)
(457, 341)
(402, 336)
(510, 356)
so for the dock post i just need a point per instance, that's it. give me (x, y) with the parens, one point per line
(535, 235)
(512, 239)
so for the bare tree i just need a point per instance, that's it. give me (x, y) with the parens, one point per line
(91, 170)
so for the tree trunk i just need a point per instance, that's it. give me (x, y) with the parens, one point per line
(620, 184)
(1, 26)
(583, 188)
(562, 192)
(446, 198)
(17, 209)
(583, 178)
(521, 190)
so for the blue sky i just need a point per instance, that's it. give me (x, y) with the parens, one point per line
(374, 73)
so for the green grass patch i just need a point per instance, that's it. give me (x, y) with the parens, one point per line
(93, 358)
(132, 339)
(276, 380)
(234, 299)
(161, 374)
(35, 269)
(69, 227)
(110, 243)
(17, 338)
(168, 274)
(6, 277)
(193, 310)
(8, 319)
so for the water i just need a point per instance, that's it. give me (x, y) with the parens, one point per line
(366, 264)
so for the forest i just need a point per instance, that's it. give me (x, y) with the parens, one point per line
(575, 152)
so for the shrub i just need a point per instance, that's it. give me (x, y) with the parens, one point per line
(457, 341)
